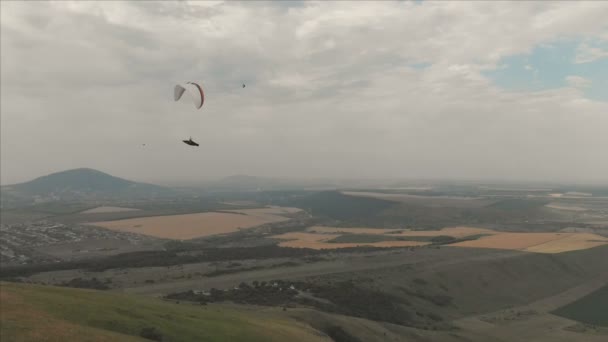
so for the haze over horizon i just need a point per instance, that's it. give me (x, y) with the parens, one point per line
(400, 90)
(330, 181)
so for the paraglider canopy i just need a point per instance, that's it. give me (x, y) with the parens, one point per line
(194, 89)
(190, 142)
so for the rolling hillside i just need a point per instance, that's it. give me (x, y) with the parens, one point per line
(78, 184)
(590, 309)
(37, 313)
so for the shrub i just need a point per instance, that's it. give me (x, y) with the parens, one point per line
(150, 333)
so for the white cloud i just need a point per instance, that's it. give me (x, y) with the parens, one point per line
(578, 81)
(587, 53)
(330, 90)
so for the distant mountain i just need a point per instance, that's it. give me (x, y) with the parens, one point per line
(80, 184)
(253, 183)
(244, 182)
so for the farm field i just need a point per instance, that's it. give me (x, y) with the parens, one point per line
(537, 242)
(571, 242)
(189, 226)
(320, 237)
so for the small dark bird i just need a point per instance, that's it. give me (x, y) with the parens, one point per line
(190, 142)
(243, 85)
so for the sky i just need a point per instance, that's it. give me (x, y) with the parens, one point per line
(381, 89)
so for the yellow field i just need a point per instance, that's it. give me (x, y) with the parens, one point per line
(319, 241)
(305, 237)
(537, 242)
(571, 242)
(317, 237)
(191, 226)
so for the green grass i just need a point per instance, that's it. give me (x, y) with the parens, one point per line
(335, 205)
(517, 204)
(591, 309)
(30, 311)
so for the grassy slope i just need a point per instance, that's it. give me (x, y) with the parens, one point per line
(591, 309)
(44, 313)
(335, 205)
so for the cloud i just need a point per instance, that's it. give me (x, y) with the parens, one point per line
(587, 53)
(333, 89)
(578, 82)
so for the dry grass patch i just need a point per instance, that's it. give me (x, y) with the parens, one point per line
(191, 226)
(537, 242)
(572, 242)
(318, 237)
(517, 241)
(306, 237)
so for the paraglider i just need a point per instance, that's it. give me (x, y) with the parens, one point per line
(190, 142)
(197, 95)
(194, 89)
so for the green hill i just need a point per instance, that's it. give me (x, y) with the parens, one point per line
(77, 185)
(85, 181)
(591, 309)
(46, 313)
(336, 205)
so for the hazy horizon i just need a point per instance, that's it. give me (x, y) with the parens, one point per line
(348, 182)
(339, 90)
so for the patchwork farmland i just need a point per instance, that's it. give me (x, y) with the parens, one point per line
(189, 226)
